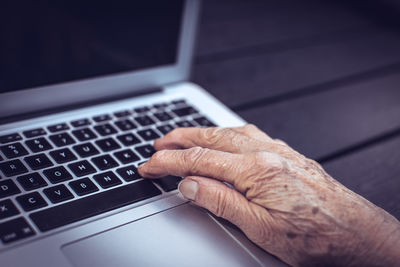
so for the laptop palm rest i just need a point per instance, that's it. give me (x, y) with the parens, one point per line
(182, 236)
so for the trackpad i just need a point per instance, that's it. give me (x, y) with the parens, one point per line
(182, 236)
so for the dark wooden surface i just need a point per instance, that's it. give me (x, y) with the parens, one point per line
(322, 75)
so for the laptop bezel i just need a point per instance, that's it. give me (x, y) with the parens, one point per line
(88, 90)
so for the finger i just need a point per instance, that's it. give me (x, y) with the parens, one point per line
(252, 131)
(227, 203)
(222, 139)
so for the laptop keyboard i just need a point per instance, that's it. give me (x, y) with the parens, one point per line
(63, 173)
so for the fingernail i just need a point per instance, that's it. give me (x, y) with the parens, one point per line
(188, 188)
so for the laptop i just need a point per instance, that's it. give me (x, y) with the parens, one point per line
(85, 89)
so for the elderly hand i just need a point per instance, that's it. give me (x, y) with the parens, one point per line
(285, 203)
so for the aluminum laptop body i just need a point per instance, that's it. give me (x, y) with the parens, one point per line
(45, 116)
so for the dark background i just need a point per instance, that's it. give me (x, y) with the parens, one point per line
(324, 76)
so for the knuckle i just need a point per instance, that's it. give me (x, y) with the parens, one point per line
(268, 162)
(193, 156)
(250, 127)
(221, 204)
(213, 135)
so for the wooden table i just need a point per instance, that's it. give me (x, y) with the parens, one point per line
(324, 76)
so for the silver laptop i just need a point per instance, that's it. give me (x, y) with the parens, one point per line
(85, 88)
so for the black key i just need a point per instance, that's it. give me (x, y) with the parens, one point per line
(105, 129)
(13, 150)
(122, 113)
(179, 101)
(57, 174)
(13, 167)
(58, 127)
(4, 139)
(184, 124)
(203, 121)
(128, 139)
(107, 179)
(168, 183)
(81, 168)
(15, 230)
(104, 162)
(148, 134)
(141, 109)
(129, 173)
(125, 125)
(62, 139)
(101, 118)
(83, 186)
(166, 128)
(8, 188)
(1, 158)
(58, 193)
(39, 161)
(162, 116)
(38, 144)
(146, 151)
(93, 205)
(185, 111)
(126, 156)
(31, 201)
(144, 120)
(160, 105)
(107, 144)
(80, 123)
(63, 155)
(34, 132)
(7, 209)
(31, 181)
(86, 150)
(84, 134)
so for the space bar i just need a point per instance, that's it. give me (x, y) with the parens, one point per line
(93, 205)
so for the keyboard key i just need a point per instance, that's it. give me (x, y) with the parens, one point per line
(160, 105)
(93, 205)
(31, 181)
(168, 183)
(81, 168)
(107, 179)
(148, 134)
(104, 162)
(15, 230)
(58, 127)
(7, 209)
(84, 134)
(129, 173)
(107, 144)
(185, 111)
(128, 139)
(166, 128)
(125, 125)
(146, 151)
(4, 139)
(63, 155)
(57, 174)
(62, 139)
(185, 124)
(13, 167)
(203, 121)
(86, 150)
(83, 186)
(144, 120)
(162, 116)
(31, 201)
(58, 193)
(80, 123)
(34, 132)
(14, 150)
(141, 109)
(38, 161)
(38, 145)
(8, 188)
(122, 113)
(101, 118)
(179, 101)
(126, 156)
(105, 129)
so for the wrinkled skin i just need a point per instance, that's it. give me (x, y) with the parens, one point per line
(285, 203)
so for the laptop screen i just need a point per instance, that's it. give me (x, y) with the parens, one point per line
(50, 42)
